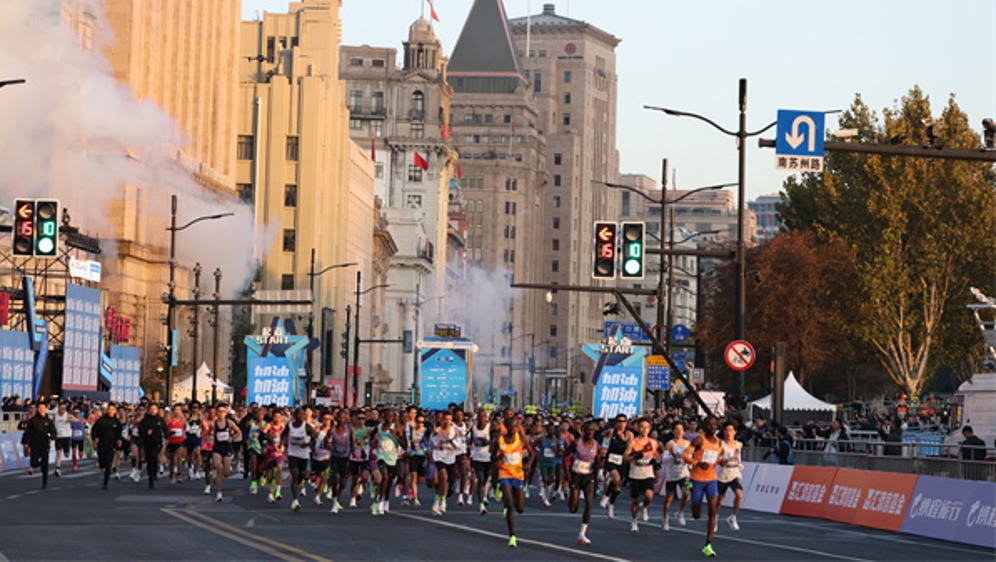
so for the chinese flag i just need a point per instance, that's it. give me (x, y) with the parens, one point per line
(446, 131)
(432, 10)
(421, 162)
(373, 149)
(459, 172)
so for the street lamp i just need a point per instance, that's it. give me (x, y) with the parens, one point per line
(356, 336)
(311, 315)
(664, 202)
(741, 134)
(12, 82)
(171, 297)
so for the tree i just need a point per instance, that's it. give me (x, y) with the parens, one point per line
(921, 231)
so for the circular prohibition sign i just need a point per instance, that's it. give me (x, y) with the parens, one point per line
(739, 355)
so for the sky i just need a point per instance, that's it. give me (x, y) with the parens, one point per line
(690, 55)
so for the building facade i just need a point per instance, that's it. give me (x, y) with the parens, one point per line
(766, 211)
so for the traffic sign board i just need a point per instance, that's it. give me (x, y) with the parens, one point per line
(679, 333)
(689, 365)
(799, 143)
(631, 330)
(657, 373)
(739, 355)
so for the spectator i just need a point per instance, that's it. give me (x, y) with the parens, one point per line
(783, 449)
(972, 448)
(836, 436)
(895, 435)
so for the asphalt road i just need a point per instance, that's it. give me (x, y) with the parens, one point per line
(73, 519)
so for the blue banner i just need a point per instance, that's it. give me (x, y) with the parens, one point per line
(954, 510)
(16, 364)
(443, 378)
(630, 330)
(270, 381)
(126, 374)
(82, 340)
(619, 391)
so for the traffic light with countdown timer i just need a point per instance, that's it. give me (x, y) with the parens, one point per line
(46, 228)
(632, 250)
(604, 258)
(24, 227)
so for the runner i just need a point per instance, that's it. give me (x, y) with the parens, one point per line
(340, 440)
(480, 458)
(78, 433)
(703, 454)
(641, 453)
(174, 443)
(254, 448)
(550, 449)
(507, 456)
(298, 440)
(321, 456)
(584, 470)
(675, 475)
(615, 441)
(207, 446)
(730, 469)
(418, 446)
(445, 453)
(63, 433)
(389, 444)
(359, 460)
(225, 431)
(151, 434)
(463, 470)
(40, 432)
(106, 436)
(192, 441)
(275, 451)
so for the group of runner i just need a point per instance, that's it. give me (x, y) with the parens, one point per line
(340, 453)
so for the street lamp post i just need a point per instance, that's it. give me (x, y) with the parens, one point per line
(311, 316)
(12, 82)
(171, 297)
(741, 134)
(356, 334)
(217, 334)
(195, 330)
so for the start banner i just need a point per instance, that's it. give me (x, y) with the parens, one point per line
(869, 499)
(955, 510)
(808, 491)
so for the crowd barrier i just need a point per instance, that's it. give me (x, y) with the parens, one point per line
(942, 508)
(11, 453)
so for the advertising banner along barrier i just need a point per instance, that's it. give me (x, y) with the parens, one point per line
(870, 499)
(808, 491)
(767, 487)
(955, 510)
(746, 477)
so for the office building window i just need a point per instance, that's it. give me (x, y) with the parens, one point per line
(625, 203)
(553, 309)
(355, 124)
(414, 173)
(542, 54)
(567, 98)
(556, 179)
(553, 332)
(377, 63)
(377, 128)
(480, 185)
(377, 103)
(290, 240)
(418, 130)
(508, 119)
(553, 353)
(557, 159)
(567, 76)
(567, 119)
(286, 282)
(355, 102)
(290, 195)
(245, 147)
(292, 148)
(556, 201)
(556, 244)
(488, 118)
(355, 62)
(245, 192)
(418, 104)
(556, 223)
(555, 266)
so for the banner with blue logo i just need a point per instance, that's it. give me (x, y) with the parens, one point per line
(270, 381)
(444, 378)
(619, 391)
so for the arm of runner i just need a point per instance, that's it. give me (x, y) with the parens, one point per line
(688, 456)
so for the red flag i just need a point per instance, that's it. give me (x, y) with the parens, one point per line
(373, 149)
(421, 162)
(446, 131)
(459, 172)
(432, 10)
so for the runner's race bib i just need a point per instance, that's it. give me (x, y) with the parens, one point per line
(549, 454)
(615, 458)
(387, 445)
(710, 457)
(77, 434)
(176, 432)
(512, 459)
(221, 436)
(582, 467)
(676, 455)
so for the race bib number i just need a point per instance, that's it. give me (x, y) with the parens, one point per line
(222, 436)
(582, 467)
(387, 445)
(77, 434)
(615, 459)
(176, 432)
(549, 454)
(194, 430)
(512, 459)
(710, 456)
(676, 455)
(299, 441)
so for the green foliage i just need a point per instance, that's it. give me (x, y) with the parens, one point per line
(921, 231)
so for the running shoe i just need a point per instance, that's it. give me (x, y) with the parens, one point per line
(634, 527)
(732, 520)
(527, 492)
(328, 493)
(270, 498)
(386, 508)
(278, 496)
(646, 513)
(304, 491)
(498, 494)
(253, 488)
(611, 512)
(511, 542)
(666, 523)
(708, 551)
(604, 502)
(561, 496)
(374, 509)
(296, 505)
(681, 519)
(373, 492)
(352, 502)
(416, 502)
(207, 490)
(338, 505)
(460, 498)
(442, 505)
(58, 473)
(218, 498)
(397, 491)
(318, 499)
(583, 539)
(136, 475)
(435, 507)
(335, 508)
(484, 508)
(262, 480)
(546, 503)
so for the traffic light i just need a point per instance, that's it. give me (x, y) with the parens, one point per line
(24, 227)
(344, 351)
(604, 259)
(46, 228)
(632, 250)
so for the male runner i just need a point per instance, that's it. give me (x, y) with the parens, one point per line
(507, 455)
(480, 457)
(152, 431)
(445, 452)
(63, 434)
(615, 441)
(703, 454)
(40, 432)
(585, 464)
(640, 455)
(106, 437)
(298, 439)
(675, 474)
(730, 468)
(340, 444)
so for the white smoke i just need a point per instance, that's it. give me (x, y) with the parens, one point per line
(73, 133)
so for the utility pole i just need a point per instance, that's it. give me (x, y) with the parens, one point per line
(217, 334)
(195, 330)
(740, 322)
(356, 342)
(658, 395)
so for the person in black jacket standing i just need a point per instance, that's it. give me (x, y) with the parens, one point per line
(106, 436)
(39, 434)
(152, 428)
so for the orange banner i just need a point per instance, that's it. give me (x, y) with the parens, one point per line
(808, 491)
(870, 499)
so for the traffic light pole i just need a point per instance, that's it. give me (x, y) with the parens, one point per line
(658, 395)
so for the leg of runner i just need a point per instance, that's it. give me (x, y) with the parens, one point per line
(738, 498)
(515, 501)
(713, 503)
(297, 468)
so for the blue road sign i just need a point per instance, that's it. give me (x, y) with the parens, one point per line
(680, 333)
(630, 330)
(800, 133)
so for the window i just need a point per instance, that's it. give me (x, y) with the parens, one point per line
(513, 233)
(377, 103)
(553, 353)
(355, 124)
(557, 159)
(245, 192)
(518, 158)
(469, 139)
(567, 98)
(468, 118)
(418, 130)
(290, 195)
(556, 201)
(292, 148)
(245, 147)
(290, 240)
(485, 139)
(511, 257)
(470, 182)
(542, 54)
(355, 102)
(488, 118)
(553, 332)
(379, 169)
(556, 244)
(567, 77)
(480, 185)
(537, 82)
(418, 104)
(377, 63)
(508, 119)
(567, 119)
(355, 62)
(625, 203)
(286, 282)
(555, 266)
(414, 173)
(556, 223)
(556, 180)
(377, 128)
(271, 49)
(553, 309)
(508, 208)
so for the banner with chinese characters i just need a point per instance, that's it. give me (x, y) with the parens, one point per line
(82, 338)
(17, 361)
(618, 375)
(127, 373)
(270, 381)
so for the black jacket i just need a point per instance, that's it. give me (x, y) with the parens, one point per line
(39, 431)
(106, 432)
(152, 430)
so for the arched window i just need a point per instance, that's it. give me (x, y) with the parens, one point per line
(418, 104)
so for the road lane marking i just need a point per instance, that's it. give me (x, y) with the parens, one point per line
(262, 548)
(211, 521)
(533, 542)
(772, 545)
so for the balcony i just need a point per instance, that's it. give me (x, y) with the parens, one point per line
(367, 112)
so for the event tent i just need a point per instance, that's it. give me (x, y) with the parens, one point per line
(797, 400)
(182, 388)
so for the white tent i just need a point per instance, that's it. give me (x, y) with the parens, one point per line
(205, 380)
(796, 398)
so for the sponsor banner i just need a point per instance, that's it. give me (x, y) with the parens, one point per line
(869, 499)
(16, 364)
(746, 477)
(270, 382)
(127, 376)
(619, 391)
(82, 338)
(337, 390)
(767, 487)
(808, 491)
(444, 378)
(954, 510)
(10, 443)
